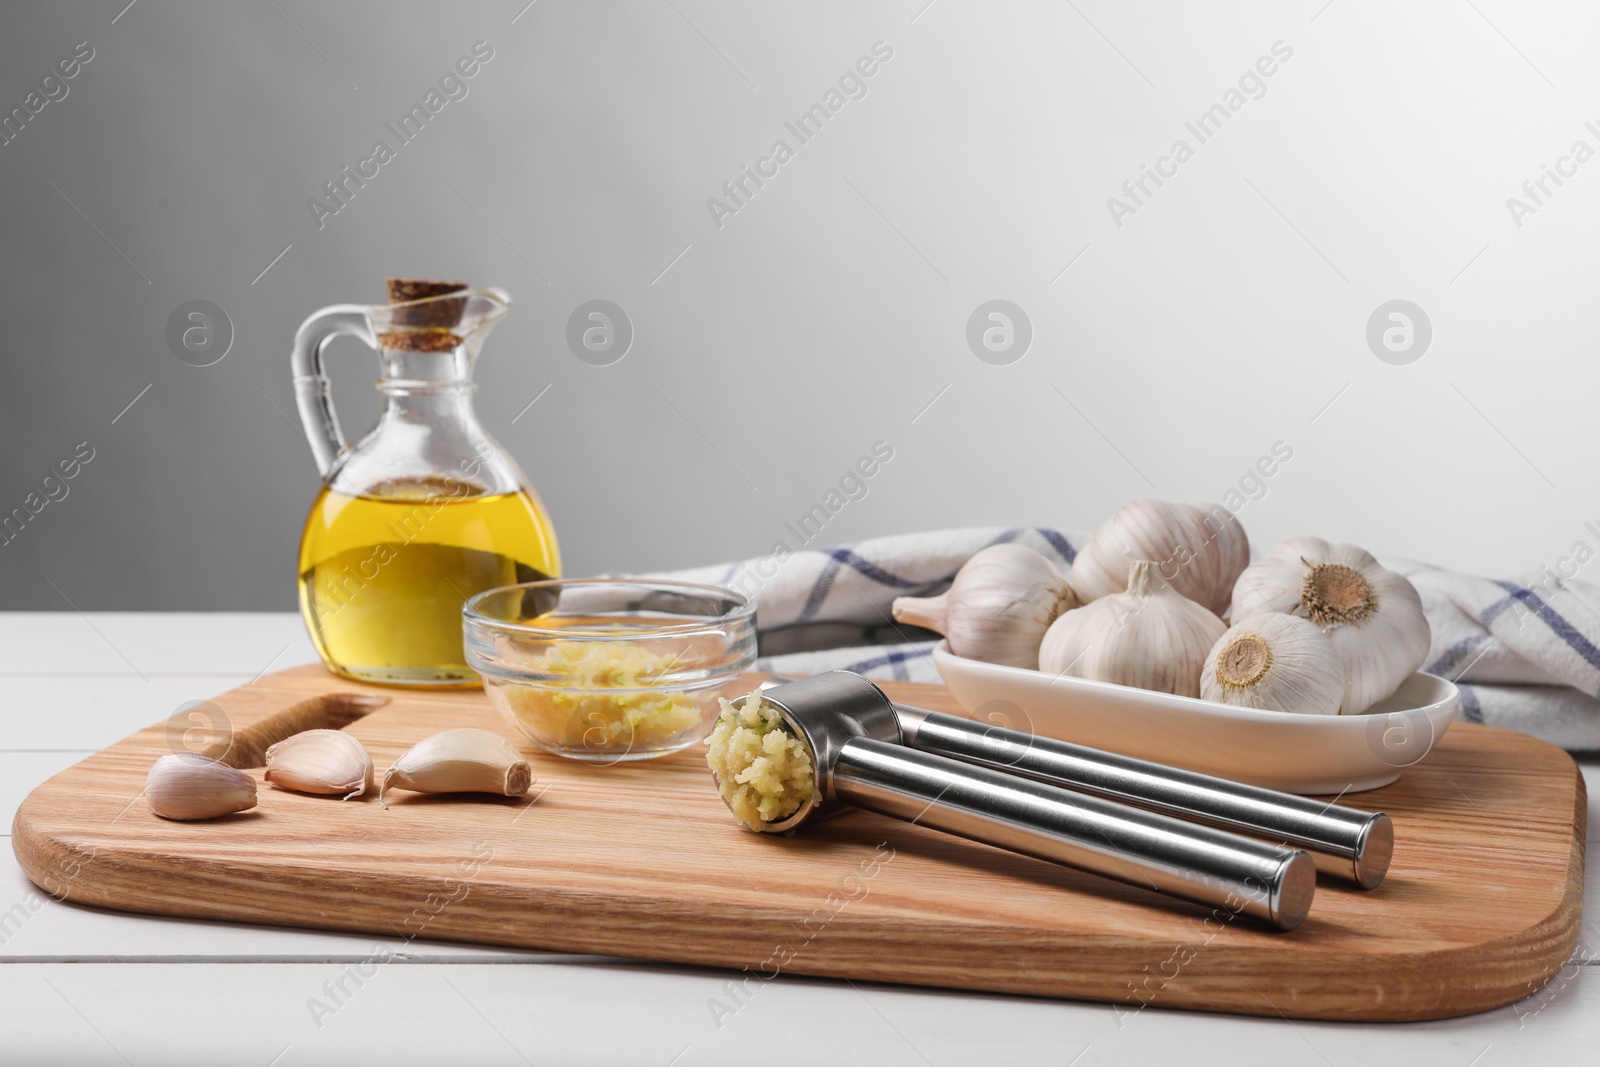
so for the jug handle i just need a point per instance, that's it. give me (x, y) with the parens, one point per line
(311, 383)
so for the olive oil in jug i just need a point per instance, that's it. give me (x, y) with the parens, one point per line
(425, 511)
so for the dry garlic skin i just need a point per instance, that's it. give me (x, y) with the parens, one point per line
(765, 772)
(1372, 615)
(1274, 662)
(464, 760)
(998, 606)
(186, 786)
(1199, 549)
(320, 761)
(1149, 637)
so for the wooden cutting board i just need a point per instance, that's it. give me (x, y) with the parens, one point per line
(642, 860)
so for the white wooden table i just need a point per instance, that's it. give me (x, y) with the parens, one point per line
(79, 985)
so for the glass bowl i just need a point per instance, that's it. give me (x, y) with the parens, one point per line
(610, 669)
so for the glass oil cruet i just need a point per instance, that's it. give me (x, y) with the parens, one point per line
(423, 512)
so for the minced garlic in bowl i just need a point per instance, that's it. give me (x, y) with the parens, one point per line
(606, 703)
(764, 771)
(607, 670)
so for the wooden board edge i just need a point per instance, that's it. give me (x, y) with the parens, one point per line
(1527, 959)
(1557, 932)
(1425, 984)
(1523, 962)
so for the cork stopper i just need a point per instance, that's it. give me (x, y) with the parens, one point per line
(429, 327)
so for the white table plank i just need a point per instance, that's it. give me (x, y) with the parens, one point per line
(151, 643)
(54, 711)
(243, 995)
(486, 1015)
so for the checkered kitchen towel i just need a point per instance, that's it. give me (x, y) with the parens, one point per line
(1525, 653)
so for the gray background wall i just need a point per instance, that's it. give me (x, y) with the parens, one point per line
(1227, 314)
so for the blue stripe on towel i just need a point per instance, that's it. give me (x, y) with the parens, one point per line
(895, 660)
(1455, 653)
(1006, 536)
(1563, 629)
(871, 569)
(1497, 609)
(819, 590)
(1058, 542)
(1471, 710)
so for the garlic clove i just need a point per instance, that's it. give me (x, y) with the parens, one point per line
(185, 786)
(460, 761)
(1199, 550)
(1274, 662)
(1372, 615)
(320, 761)
(998, 606)
(1148, 637)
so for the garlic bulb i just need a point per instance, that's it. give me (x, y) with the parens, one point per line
(1149, 637)
(183, 785)
(998, 607)
(320, 761)
(1274, 663)
(1198, 550)
(460, 761)
(1373, 615)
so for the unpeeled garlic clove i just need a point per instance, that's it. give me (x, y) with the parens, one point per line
(326, 762)
(1372, 615)
(1199, 549)
(997, 608)
(1275, 662)
(185, 786)
(460, 761)
(1149, 637)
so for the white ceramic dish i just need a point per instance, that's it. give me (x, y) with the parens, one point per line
(1322, 754)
